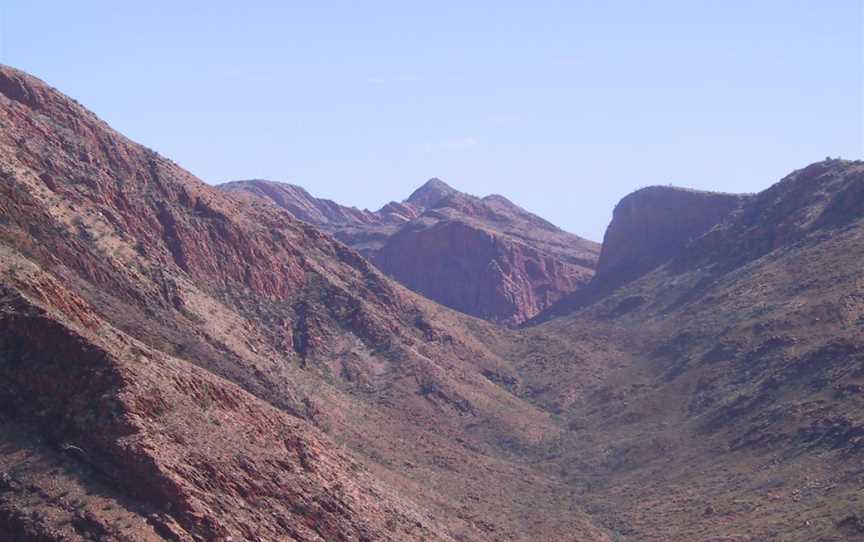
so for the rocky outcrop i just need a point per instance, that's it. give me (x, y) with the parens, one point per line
(650, 226)
(689, 229)
(822, 196)
(485, 257)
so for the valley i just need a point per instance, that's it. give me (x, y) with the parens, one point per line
(247, 362)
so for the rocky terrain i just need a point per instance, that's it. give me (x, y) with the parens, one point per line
(733, 408)
(482, 256)
(179, 362)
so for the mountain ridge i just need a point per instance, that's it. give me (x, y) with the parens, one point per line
(533, 264)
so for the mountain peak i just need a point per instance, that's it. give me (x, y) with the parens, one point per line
(433, 191)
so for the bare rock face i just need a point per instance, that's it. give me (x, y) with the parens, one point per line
(485, 256)
(482, 256)
(476, 271)
(649, 228)
(652, 225)
(143, 384)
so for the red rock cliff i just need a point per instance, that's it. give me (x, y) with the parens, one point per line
(652, 225)
(483, 256)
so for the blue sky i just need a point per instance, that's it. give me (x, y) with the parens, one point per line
(564, 107)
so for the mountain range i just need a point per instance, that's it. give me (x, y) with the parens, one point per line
(482, 256)
(246, 362)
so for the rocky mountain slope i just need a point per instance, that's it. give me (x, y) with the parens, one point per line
(482, 256)
(182, 363)
(733, 407)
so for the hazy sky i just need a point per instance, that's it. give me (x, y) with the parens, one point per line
(564, 107)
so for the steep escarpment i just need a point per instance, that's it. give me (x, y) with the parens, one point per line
(160, 253)
(649, 228)
(653, 224)
(485, 257)
(471, 269)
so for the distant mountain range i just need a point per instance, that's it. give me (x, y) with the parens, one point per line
(482, 256)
